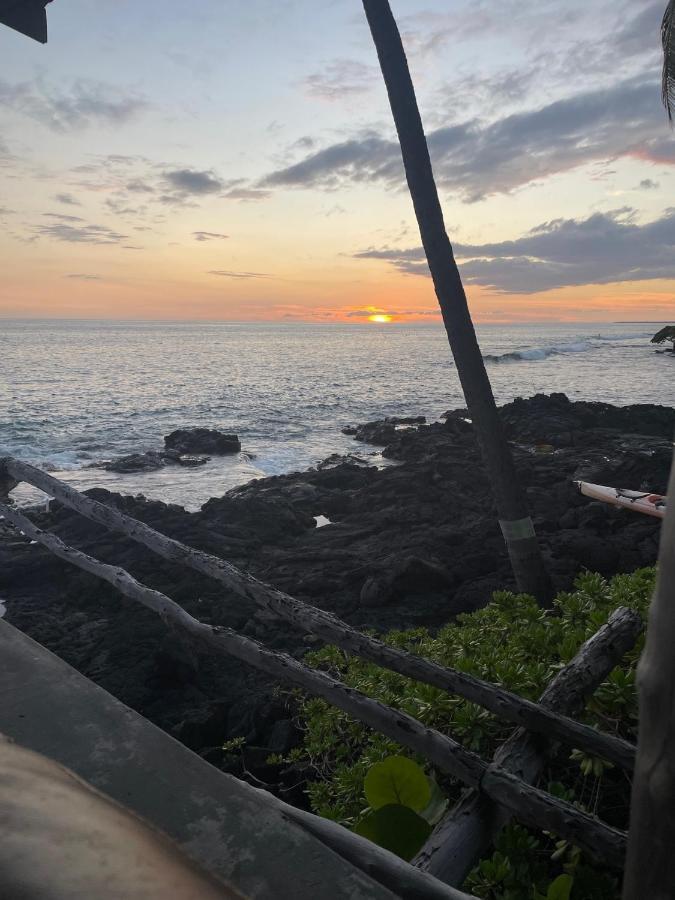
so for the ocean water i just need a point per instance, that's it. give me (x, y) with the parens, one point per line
(75, 392)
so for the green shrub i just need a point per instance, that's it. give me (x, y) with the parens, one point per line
(515, 644)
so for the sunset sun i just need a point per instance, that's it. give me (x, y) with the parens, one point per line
(379, 318)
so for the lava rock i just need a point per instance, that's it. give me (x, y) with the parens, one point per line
(383, 431)
(150, 461)
(136, 462)
(191, 462)
(337, 459)
(202, 440)
(376, 592)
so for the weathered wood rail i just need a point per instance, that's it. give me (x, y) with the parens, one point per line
(469, 828)
(503, 703)
(510, 793)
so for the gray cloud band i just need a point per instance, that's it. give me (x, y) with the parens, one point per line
(475, 159)
(603, 248)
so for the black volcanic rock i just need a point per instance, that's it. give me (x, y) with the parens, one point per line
(383, 431)
(150, 461)
(202, 440)
(136, 462)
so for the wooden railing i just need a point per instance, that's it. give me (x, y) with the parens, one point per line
(497, 790)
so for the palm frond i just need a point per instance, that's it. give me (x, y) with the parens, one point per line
(668, 41)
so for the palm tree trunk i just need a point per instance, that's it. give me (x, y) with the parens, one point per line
(650, 864)
(515, 521)
(668, 42)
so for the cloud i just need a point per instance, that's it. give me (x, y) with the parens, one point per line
(133, 184)
(603, 248)
(341, 78)
(640, 34)
(67, 199)
(192, 181)
(138, 186)
(64, 109)
(492, 93)
(367, 312)
(224, 273)
(648, 184)
(244, 194)
(209, 236)
(475, 159)
(120, 207)
(370, 158)
(411, 260)
(62, 217)
(188, 183)
(635, 29)
(79, 234)
(81, 276)
(181, 186)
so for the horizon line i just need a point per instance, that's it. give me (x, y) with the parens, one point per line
(347, 321)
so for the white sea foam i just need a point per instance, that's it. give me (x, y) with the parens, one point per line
(51, 460)
(534, 353)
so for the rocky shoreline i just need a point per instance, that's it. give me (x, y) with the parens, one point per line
(411, 544)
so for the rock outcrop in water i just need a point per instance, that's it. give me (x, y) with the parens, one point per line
(150, 461)
(667, 333)
(183, 447)
(384, 431)
(202, 440)
(410, 544)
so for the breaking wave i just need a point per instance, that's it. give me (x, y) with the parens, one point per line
(582, 345)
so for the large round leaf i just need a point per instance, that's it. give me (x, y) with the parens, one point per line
(561, 888)
(397, 780)
(396, 828)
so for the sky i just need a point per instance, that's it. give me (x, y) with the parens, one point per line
(234, 161)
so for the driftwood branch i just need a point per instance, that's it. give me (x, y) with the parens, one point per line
(468, 830)
(528, 804)
(269, 600)
(650, 866)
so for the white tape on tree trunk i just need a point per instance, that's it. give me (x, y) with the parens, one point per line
(517, 529)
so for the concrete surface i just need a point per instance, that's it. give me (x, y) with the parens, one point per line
(220, 822)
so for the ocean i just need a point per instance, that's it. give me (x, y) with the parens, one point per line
(75, 392)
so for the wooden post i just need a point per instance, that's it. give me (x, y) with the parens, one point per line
(505, 704)
(468, 830)
(650, 864)
(514, 518)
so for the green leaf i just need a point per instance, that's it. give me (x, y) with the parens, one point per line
(397, 780)
(560, 889)
(396, 828)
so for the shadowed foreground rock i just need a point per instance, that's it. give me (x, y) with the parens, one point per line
(408, 545)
